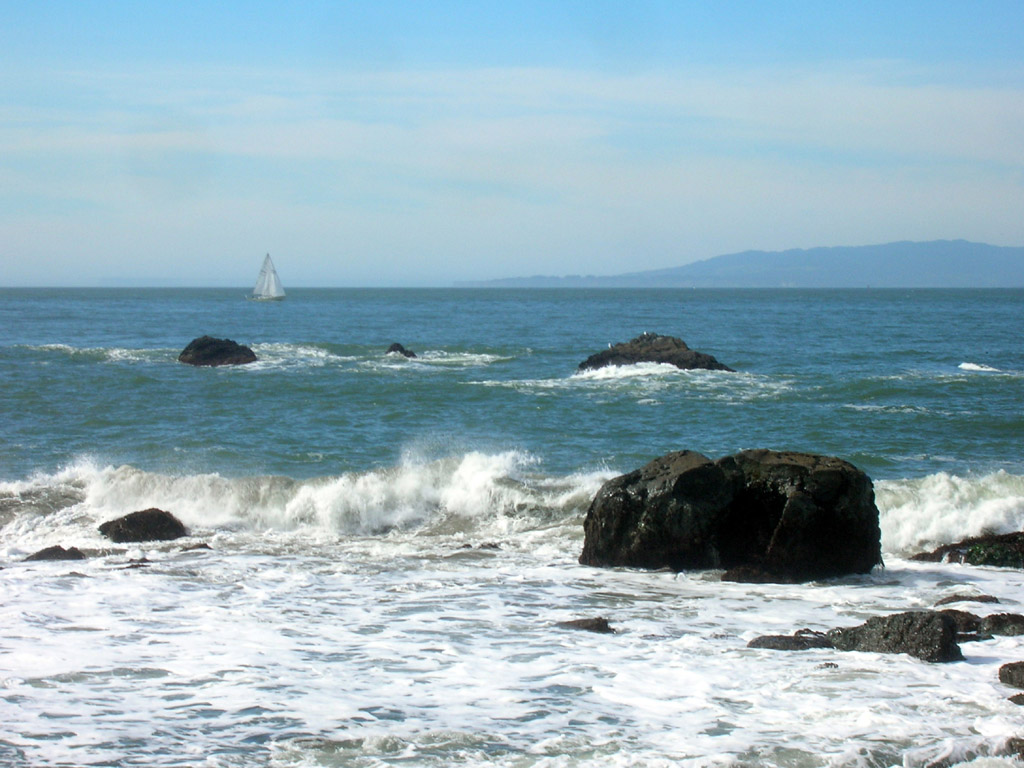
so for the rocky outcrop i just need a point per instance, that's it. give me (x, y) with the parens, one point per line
(769, 515)
(1001, 550)
(653, 348)
(56, 552)
(927, 635)
(207, 350)
(146, 525)
(398, 349)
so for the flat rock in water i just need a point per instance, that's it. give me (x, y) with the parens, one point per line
(57, 552)
(598, 624)
(927, 635)
(966, 599)
(770, 516)
(801, 640)
(1001, 550)
(206, 350)
(145, 525)
(653, 348)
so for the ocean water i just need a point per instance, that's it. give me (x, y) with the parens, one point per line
(393, 541)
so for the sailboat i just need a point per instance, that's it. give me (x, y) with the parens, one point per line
(268, 284)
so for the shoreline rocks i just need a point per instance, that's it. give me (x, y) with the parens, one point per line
(653, 348)
(769, 516)
(927, 635)
(145, 525)
(1001, 550)
(208, 351)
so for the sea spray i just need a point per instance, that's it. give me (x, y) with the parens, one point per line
(922, 513)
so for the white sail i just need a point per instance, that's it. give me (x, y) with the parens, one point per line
(268, 284)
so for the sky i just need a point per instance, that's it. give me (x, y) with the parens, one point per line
(418, 144)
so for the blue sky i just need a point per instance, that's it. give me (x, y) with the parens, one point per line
(398, 143)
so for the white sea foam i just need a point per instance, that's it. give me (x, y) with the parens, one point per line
(488, 491)
(941, 508)
(978, 367)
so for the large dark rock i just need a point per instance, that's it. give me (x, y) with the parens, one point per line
(778, 516)
(1003, 550)
(146, 525)
(57, 552)
(398, 349)
(927, 635)
(653, 348)
(207, 350)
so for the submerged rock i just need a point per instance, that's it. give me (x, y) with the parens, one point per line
(57, 552)
(773, 516)
(598, 624)
(927, 635)
(207, 350)
(1002, 550)
(398, 349)
(145, 525)
(653, 348)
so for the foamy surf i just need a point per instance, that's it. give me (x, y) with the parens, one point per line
(491, 494)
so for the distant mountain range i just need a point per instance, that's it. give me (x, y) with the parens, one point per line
(934, 264)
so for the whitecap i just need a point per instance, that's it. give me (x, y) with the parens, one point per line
(923, 513)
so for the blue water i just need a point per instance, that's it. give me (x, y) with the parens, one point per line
(873, 376)
(393, 541)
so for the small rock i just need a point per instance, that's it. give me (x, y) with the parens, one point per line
(967, 599)
(56, 552)
(145, 525)
(398, 349)
(598, 624)
(1012, 674)
(1002, 624)
(1018, 699)
(208, 351)
(927, 635)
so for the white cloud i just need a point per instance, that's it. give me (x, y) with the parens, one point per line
(498, 172)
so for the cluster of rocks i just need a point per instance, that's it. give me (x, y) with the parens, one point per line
(646, 348)
(145, 525)
(767, 516)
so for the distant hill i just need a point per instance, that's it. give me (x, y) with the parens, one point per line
(935, 264)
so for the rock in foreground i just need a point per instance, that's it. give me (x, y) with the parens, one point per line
(146, 525)
(207, 350)
(927, 635)
(653, 348)
(770, 515)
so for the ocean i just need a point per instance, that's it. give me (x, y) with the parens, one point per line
(393, 542)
